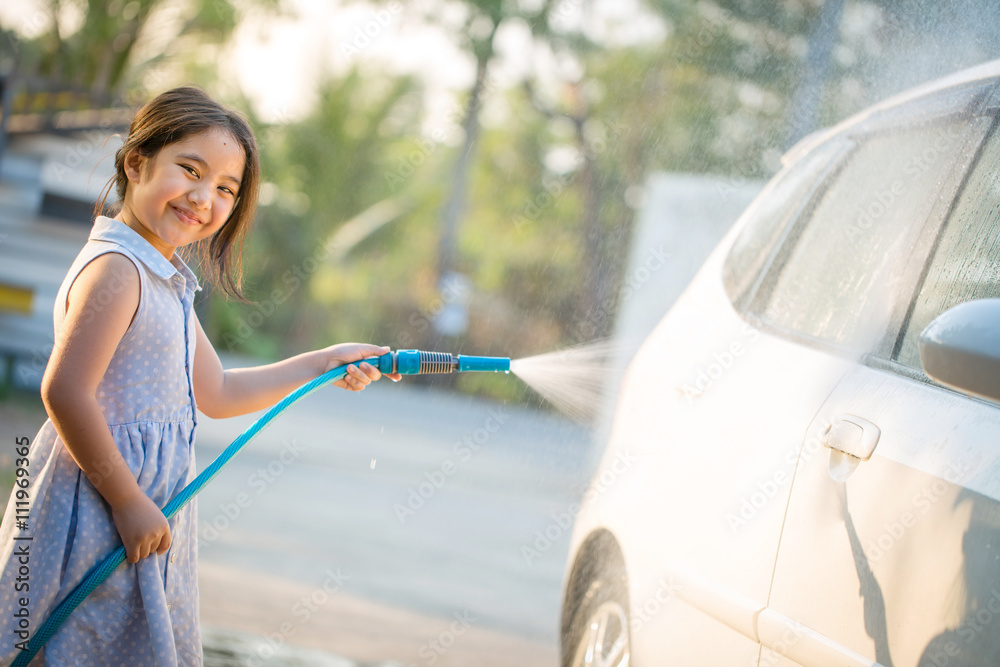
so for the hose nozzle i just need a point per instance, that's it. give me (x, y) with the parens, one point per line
(415, 362)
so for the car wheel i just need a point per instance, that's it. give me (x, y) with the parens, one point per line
(599, 632)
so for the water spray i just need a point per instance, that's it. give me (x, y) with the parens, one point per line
(405, 362)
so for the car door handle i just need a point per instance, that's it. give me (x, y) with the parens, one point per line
(853, 436)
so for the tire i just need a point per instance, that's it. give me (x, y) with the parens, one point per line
(598, 635)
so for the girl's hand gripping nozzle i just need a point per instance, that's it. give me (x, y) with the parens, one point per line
(415, 362)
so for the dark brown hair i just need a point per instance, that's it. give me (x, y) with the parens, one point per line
(171, 117)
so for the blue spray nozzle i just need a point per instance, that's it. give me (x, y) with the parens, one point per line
(468, 362)
(416, 362)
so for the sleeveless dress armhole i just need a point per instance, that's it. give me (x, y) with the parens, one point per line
(62, 300)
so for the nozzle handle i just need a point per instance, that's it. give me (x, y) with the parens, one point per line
(385, 363)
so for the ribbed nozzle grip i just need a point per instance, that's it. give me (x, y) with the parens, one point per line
(435, 362)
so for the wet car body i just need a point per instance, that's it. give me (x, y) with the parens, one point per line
(799, 491)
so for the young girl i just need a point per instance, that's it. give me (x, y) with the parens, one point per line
(130, 366)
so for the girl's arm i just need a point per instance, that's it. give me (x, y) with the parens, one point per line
(100, 306)
(227, 393)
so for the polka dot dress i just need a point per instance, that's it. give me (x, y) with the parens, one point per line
(147, 613)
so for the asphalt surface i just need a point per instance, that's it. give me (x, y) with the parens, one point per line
(400, 525)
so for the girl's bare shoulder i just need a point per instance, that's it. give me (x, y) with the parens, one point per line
(110, 282)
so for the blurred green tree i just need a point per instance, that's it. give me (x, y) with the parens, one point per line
(322, 172)
(476, 34)
(110, 47)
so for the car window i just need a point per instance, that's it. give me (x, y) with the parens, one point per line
(769, 214)
(842, 277)
(966, 263)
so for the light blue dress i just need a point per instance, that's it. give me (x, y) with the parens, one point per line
(147, 613)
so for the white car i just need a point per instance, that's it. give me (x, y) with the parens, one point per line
(804, 466)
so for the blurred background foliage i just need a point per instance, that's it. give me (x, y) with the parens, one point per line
(529, 189)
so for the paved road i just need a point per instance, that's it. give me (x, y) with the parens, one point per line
(407, 498)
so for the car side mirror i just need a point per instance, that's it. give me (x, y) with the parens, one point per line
(961, 348)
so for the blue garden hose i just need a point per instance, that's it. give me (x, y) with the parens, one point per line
(405, 362)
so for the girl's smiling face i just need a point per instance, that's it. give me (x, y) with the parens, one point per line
(185, 192)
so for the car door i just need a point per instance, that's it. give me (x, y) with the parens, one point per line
(713, 409)
(890, 551)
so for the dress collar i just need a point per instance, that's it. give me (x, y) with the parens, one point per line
(116, 231)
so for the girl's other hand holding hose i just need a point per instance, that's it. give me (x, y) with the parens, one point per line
(142, 526)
